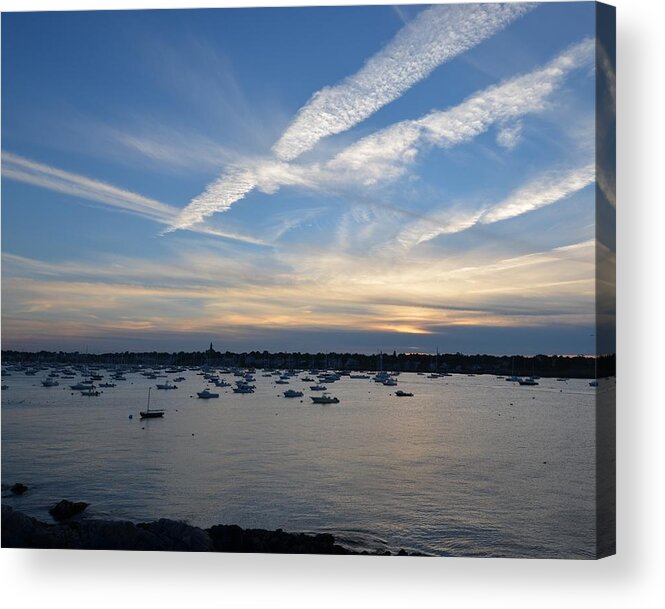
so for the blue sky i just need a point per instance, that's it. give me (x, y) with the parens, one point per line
(310, 179)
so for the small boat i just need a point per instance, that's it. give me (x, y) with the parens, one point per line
(91, 393)
(82, 386)
(243, 389)
(530, 381)
(290, 393)
(562, 380)
(166, 385)
(307, 379)
(151, 414)
(107, 384)
(281, 382)
(50, 383)
(390, 382)
(206, 394)
(324, 399)
(359, 376)
(318, 388)
(180, 379)
(593, 384)
(403, 394)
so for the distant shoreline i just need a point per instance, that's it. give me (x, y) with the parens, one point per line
(547, 366)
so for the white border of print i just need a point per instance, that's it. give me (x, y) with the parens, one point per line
(111, 579)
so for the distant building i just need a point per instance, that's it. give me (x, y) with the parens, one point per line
(211, 354)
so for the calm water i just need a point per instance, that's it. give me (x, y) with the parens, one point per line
(468, 466)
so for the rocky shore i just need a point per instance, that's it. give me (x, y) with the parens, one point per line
(22, 531)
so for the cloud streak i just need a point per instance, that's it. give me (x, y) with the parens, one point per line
(19, 168)
(436, 35)
(27, 171)
(385, 155)
(547, 189)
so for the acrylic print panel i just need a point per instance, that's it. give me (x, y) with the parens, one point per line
(310, 280)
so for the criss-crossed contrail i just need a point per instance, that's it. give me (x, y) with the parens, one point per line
(436, 35)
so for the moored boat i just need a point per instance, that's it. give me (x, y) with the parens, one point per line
(206, 394)
(324, 399)
(151, 414)
(290, 393)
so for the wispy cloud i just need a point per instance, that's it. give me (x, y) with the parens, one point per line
(385, 155)
(333, 290)
(545, 190)
(435, 36)
(21, 169)
(548, 188)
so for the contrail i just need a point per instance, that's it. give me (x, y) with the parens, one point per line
(435, 36)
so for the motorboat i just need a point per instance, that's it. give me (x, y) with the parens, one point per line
(290, 393)
(324, 399)
(83, 386)
(166, 385)
(318, 388)
(403, 394)
(242, 389)
(206, 394)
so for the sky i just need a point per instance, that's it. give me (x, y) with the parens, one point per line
(300, 179)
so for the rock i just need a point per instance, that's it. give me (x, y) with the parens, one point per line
(232, 538)
(66, 509)
(21, 531)
(18, 488)
(178, 536)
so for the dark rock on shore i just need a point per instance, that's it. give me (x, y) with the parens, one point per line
(66, 509)
(232, 538)
(21, 531)
(18, 488)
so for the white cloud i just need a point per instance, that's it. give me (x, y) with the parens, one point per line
(545, 190)
(385, 155)
(230, 187)
(21, 169)
(548, 188)
(435, 36)
(509, 135)
(18, 168)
